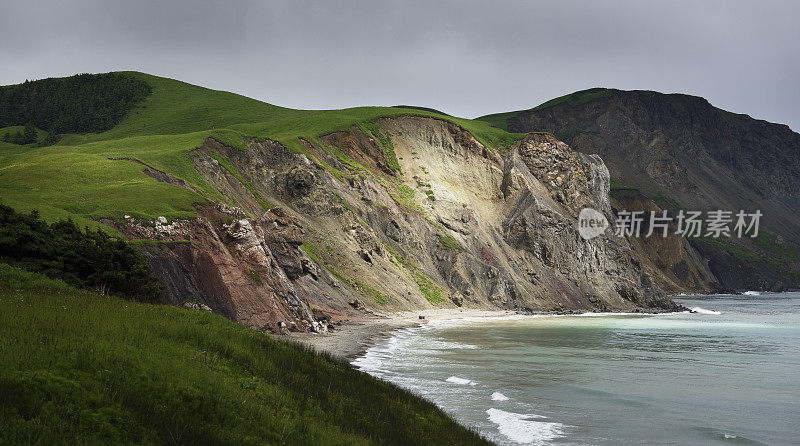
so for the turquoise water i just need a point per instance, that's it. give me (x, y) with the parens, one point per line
(699, 378)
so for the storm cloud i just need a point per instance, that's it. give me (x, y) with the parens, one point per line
(463, 57)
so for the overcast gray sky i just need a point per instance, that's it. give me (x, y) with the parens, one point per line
(467, 58)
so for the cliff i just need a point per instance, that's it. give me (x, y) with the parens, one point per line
(293, 220)
(452, 224)
(686, 154)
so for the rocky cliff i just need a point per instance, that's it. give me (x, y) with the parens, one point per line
(674, 263)
(410, 214)
(684, 153)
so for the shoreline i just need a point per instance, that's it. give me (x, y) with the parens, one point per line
(352, 339)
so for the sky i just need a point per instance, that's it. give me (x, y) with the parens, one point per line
(466, 58)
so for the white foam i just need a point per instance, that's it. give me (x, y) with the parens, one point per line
(730, 436)
(704, 311)
(524, 428)
(497, 396)
(604, 314)
(752, 293)
(460, 381)
(460, 321)
(435, 344)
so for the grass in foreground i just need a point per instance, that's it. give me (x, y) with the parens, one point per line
(78, 368)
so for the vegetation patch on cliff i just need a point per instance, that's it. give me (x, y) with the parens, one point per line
(765, 248)
(385, 143)
(615, 186)
(405, 197)
(226, 164)
(428, 288)
(357, 286)
(448, 242)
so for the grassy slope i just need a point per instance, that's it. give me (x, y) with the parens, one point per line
(500, 120)
(12, 130)
(78, 367)
(77, 178)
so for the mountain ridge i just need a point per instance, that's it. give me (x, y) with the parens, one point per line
(579, 97)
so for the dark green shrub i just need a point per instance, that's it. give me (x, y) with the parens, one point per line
(83, 258)
(77, 104)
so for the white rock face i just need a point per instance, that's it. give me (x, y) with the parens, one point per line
(249, 240)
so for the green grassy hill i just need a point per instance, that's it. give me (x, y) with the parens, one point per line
(76, 177)
(79, 368)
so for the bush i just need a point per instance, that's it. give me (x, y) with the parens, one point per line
(82, 258)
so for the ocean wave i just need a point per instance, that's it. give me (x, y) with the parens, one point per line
(604, 314)
(751, 293)
(436, 344)
(703, 311)
(525, 428)
(467, 320)
(460, 381)
(497, 396)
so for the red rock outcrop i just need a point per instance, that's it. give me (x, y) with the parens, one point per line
(239, 267)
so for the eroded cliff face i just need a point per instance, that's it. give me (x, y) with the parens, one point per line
(552, 185)
(250, 270)
(675, 265)
(685, 153)
(450, 223)
(682, 147)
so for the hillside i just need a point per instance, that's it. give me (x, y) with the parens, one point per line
(81, 368)
(291, 220)
(686, 154)
(161, 131)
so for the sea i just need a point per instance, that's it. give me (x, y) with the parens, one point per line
(727, 373)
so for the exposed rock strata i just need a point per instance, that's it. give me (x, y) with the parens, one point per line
(456, 225)
(683, 152)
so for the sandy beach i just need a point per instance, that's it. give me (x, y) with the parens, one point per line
(352, 339)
